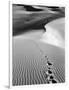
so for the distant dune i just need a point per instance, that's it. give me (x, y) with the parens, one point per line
(27, 17)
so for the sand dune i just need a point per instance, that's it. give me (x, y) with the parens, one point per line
(29, 62)
(39, 53)
(55, 33)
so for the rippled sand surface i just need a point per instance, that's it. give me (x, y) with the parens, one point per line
(38, 44)
(30, 62)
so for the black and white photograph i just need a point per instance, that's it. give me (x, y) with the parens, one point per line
(38, 44)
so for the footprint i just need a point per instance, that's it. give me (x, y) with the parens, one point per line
(49, 72)
(54, 81)
(51, 77)
(48, 63)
